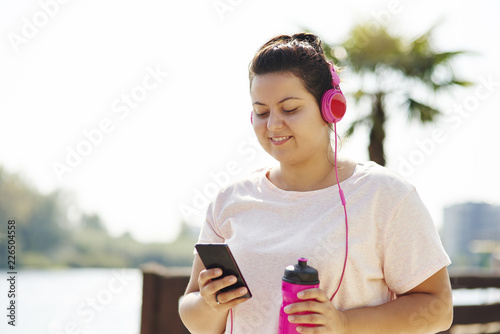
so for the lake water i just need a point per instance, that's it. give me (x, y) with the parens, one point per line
(76, 301)
(95, 301)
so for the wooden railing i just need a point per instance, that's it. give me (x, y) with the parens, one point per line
(475, 314)
(162, 288)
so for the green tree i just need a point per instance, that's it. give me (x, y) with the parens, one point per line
(389, 65)
(46, 237)
(37, 216)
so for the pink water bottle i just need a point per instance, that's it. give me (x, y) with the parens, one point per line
(297, 277)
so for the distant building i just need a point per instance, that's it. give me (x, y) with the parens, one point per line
(471, 235)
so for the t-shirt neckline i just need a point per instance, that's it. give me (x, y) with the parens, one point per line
(273, 187)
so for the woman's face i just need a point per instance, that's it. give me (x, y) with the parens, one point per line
(287, 119)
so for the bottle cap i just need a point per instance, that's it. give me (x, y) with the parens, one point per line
(301, 273)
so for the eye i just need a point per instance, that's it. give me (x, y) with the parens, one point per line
(291, 110)
(261, 114)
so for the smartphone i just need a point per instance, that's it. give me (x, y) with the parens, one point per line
(220, 256)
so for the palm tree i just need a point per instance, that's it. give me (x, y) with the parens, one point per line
(391, 66)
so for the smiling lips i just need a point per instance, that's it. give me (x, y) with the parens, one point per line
(279, 140)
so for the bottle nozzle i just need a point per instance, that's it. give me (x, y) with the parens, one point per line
(301, 273)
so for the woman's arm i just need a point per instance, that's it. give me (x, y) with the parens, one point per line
(428, 308)
(199, 309)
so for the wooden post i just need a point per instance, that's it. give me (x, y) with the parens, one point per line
(162, 288)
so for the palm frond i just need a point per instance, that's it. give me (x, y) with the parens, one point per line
(359, 94)
(439, 86)
(424, 40)
(423, 112)
(330, 54)
(445, 57)
(368, 47)
(461, 83)
(366, 120)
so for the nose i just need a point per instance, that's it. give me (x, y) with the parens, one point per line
(274, 121)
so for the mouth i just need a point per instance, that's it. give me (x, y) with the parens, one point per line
(279, 140)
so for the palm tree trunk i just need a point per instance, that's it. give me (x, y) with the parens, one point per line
(377, 132)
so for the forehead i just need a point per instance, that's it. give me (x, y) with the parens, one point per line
(272, 87)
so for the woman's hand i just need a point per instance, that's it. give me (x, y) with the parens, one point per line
(323, 314)
(210, 290)
(199, 309)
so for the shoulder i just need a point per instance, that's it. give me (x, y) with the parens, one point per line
(395, 200)
(249, 181)
(245, 186)
(372, 176)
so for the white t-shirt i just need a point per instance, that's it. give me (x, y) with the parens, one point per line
(393, 243)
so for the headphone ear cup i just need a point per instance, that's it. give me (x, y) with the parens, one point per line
(333, 106)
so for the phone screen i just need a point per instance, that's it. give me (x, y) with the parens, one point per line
(220, 256)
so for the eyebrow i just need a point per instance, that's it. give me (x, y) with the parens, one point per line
(285, 99)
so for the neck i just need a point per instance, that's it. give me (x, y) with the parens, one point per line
(312, 174)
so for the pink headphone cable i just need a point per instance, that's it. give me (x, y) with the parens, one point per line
(231, 311)
(342, 198)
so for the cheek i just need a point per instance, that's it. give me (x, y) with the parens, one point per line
(259, 128)
(315, 133)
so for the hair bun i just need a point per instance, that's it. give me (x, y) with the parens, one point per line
(276, 40)
(311, 39)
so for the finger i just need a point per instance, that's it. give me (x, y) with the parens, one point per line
(311, 306)
(229, 304)
(207, 275)
(312, 330)
(226, 297)
(212, 288)
(314, 300)
(219, 284)
(315, 293)
(227, 300)
(310, 319)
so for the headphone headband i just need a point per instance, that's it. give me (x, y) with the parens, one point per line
(335, 76)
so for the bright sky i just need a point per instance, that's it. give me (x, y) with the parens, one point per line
(143, 106)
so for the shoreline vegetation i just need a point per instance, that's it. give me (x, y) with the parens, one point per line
(47, 238)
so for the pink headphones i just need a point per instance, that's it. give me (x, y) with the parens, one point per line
(333, 103)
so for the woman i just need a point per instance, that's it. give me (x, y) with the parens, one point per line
(395, 280)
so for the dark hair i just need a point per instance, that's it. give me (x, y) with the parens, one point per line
(300, 54)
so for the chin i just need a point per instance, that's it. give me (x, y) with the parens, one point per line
(284, 158)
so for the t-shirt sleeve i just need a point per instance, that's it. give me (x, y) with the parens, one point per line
(210, 233)
(413, 249)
